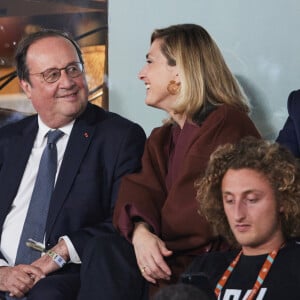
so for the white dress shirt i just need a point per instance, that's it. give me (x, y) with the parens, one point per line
(13, 224)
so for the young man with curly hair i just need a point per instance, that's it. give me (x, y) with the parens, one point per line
(251, 196)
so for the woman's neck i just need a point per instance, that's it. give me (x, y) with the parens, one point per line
(179, 119)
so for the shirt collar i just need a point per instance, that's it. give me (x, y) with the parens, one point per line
(43, 129)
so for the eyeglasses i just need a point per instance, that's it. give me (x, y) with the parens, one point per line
(73, 70)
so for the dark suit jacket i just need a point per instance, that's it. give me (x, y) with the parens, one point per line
(102, 148)
(289, 135)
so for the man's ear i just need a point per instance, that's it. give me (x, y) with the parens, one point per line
(26, 87)
(281, 208)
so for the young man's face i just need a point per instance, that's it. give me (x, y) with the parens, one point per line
(252, 211)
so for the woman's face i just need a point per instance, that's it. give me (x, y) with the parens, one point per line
(156, 75)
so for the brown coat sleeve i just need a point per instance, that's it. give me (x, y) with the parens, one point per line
(143, 194)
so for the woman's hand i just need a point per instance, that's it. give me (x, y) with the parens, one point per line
(150, 251)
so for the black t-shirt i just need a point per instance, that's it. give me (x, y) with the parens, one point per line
(282, 282)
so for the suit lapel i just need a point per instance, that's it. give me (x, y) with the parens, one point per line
(17, 154)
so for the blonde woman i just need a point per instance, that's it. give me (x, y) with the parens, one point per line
(186, 76)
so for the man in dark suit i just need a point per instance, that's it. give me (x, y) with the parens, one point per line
(97, 148)
(289, 135)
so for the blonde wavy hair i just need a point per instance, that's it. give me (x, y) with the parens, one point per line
(274, 161)
(204, 75)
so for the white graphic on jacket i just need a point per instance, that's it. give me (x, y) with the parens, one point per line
(234, 294)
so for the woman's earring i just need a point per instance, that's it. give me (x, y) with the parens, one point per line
(173, 87)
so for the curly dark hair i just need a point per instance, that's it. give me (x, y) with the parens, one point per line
(274, 161)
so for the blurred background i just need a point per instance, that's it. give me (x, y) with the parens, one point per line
(85, 20)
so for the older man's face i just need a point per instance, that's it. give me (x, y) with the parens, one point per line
(60, 102)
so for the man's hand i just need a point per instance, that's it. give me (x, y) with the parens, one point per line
(20, 279)
(46, 263)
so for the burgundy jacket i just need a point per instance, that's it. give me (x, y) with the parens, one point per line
(173, 214)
